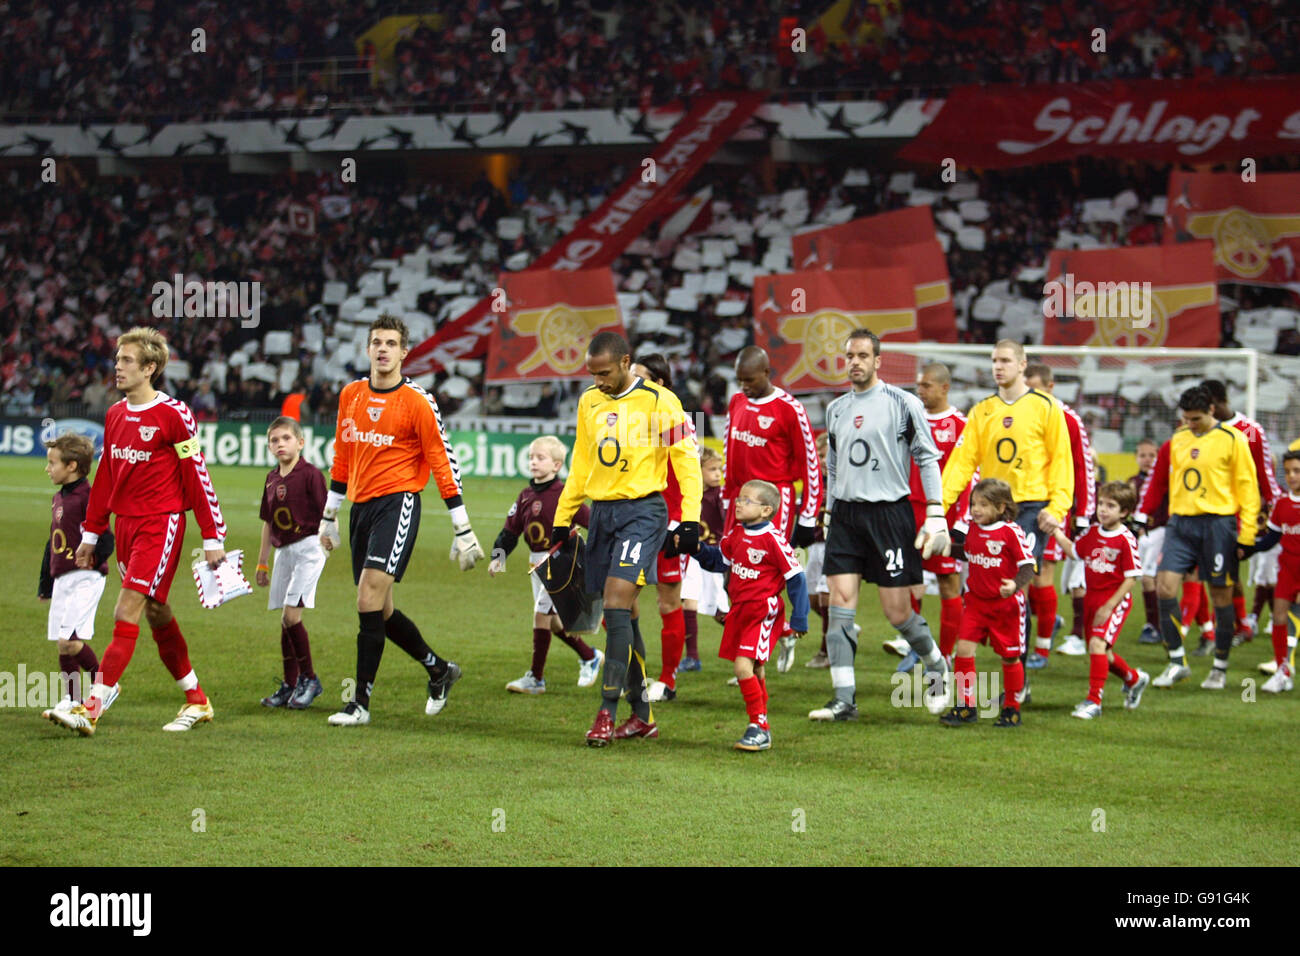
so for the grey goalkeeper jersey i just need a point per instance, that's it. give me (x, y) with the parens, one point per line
(874, 438)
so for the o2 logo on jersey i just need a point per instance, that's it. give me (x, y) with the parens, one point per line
(755, 557)
(995, 548)
(765, 421)
(147, 432)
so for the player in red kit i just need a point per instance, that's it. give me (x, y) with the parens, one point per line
(760, 563)
(1112, 568)
(946, 424)
(151, 472)
(1000, 564)
(768, 438)
(1284, 527)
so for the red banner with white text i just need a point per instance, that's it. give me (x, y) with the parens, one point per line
(1162, 121)
(599, 238)
(1254, 224)
(1141, 296)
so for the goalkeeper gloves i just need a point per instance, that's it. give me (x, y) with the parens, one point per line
(559, 534)
(465, 547)
(804, 534)
(933, 538)
(329, 529)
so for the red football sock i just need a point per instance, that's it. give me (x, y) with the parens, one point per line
(964, 693)
(302, 648)
(672, 639)
(1120, 668)
(949, 622)
(1239, 605)
(175, 654)
(692, 622)
(1098, 667)
(541, 645)
(1013, 676)
(289, 658)
(1263, 598)
(1046, 610)
(119, 651)
(752, 690)
(916, 603)
(762, 682)
(581, 647)
(1279, 643)
(1191, 604)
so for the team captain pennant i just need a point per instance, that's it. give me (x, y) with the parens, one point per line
(224, 584)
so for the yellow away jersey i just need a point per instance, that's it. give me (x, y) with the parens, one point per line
(623, 446)
(1214, 474)
(1025, 443)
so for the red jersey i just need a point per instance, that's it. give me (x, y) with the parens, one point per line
(532, 515)
(1157, 518)
(770, 439)
(945, 428)
(293, 504)
(153, 465)
(1108, 558)
(1085, 475)
(1269, 491)
(673, 492)
(760, 560)
(994, 552)
(712, 519)
(1285, 519)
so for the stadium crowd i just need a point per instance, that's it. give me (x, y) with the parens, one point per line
(118, 61)
(78, 264)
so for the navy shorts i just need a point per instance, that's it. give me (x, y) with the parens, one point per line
(381, 533)
(1208, 542)
(874, 539)
(1027, 518)
(623, 540)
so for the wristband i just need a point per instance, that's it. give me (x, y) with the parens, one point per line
(263, 567)
(333, 500)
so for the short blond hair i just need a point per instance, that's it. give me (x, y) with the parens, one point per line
(1015, 347)
(152, 346)
(284, 421)
(765, 492)
(708, 454)
(74, 449)
(551, 445)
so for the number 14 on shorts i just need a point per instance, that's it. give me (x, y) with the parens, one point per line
(626, 559)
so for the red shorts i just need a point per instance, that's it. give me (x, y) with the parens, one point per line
(149, 550)
(1288, 580)
(782, 519)
(669, 570)
(1109, 630)
(937, 563)
(751, 628)
(998, 623)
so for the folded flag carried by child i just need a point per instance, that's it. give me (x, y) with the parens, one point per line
(224, 584)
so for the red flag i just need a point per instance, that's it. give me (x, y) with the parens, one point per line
(600, 238)
(1162, 121)
(903, 238)
(805, 318)
(1143, 296)
(1255, 226)
(550, 319)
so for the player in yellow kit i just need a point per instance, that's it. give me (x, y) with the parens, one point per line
(1019, 435)
(628, 431)
(1209, 474)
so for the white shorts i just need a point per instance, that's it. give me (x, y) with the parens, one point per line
(713, 594)
(1072, 574)
(1263, 567)
(692, 580)
(72, 605)
(541, 600)
(1149, 547)
(295, 569)
(813, 569)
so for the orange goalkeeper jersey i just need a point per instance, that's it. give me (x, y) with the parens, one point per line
(391, 440)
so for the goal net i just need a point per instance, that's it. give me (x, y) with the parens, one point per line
(1123, 394)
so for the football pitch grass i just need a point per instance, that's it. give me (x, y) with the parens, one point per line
(1192, 777)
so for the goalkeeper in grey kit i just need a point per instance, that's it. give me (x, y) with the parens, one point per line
(876, 431)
